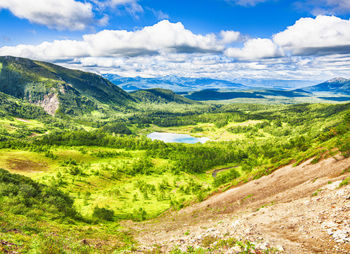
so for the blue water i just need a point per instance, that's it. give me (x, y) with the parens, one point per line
(176, 138)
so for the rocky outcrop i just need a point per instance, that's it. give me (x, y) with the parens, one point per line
(50, 103)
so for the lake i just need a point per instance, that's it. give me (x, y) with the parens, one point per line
(176, 138)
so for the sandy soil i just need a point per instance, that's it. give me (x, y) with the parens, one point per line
(296, 209)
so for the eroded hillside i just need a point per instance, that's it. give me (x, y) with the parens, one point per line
(302, 209)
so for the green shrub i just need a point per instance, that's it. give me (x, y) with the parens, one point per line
(103, 214)
(344, 182)
(225, 177)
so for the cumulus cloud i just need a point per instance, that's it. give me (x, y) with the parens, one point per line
(312, 48)
(163, 37)
(62, 14)
(255, 49)
(229, 36)
(322, 35)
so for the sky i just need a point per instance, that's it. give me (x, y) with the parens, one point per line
(303, 40)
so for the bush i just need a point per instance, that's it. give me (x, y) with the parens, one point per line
(225, 177)
(118, 128)
(103, 214)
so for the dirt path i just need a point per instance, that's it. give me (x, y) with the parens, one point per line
(216, 171)
(296, 209)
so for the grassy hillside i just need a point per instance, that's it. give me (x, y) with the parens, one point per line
(158, 95)
(57, 89)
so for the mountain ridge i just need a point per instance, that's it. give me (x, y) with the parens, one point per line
(159, 95)
(58, 89)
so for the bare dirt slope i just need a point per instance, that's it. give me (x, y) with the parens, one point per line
(296, 209)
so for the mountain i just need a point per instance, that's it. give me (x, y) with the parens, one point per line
(218, 94)
(174, 83)
(336, 85)
(158, 95)
(58, 89)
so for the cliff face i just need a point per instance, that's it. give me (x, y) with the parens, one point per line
(58, 89)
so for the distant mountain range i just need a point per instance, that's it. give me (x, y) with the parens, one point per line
(183, 84)
(215, 89)
(174, 83)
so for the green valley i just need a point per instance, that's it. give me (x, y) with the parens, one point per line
(70, 178)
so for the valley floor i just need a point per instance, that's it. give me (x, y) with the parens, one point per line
(300, 209)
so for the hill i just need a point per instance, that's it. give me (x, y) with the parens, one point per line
(158, 95)
(336, 85)
(58, 89)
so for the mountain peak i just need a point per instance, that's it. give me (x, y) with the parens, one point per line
(338, 80)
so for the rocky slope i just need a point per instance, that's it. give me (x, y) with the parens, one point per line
(299, 209)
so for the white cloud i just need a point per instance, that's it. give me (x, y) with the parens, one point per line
(62, 14)
(229, 36)
(255, 49)
(313, 48)
(163, 37)
(320, 35)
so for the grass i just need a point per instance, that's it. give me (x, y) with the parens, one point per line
(21, 234)
(344, 182)
(27, 163)
(101, 181)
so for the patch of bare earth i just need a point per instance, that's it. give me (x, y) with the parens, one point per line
(296, 209)
(25, 165)
(23, 120)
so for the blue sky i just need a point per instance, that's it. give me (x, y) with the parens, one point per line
(228, 39)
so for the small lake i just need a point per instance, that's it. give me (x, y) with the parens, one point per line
(176, 138)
